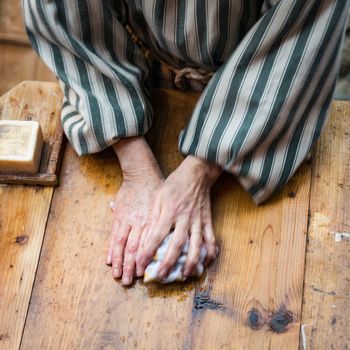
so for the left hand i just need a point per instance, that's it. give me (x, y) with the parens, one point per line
(181, 203)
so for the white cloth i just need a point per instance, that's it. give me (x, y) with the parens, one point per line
(176, 274)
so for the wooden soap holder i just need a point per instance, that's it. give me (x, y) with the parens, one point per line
(51, 157)
(20, 104)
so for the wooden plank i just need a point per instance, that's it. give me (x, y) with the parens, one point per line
(18, 63)
(43, 105)
(23, 216)
(11, 23)
(258, 279)
(259, 273)
(75, 302)
(326, 309)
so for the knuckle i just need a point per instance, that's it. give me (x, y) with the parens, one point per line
(117, 261)
(132, 247)
(119, 239)
(114, 235)
(178, 245)
(211, 241)
(128, 269)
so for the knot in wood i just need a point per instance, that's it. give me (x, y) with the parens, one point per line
(23, 239)
(254, 319)
(279, 321)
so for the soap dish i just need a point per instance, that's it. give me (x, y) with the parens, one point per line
(39, 102)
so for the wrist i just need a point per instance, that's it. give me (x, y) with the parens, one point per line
(207, 169)
(135, 157)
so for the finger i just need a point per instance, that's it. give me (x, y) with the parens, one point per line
(173, 252)
(154, 218)
(196, 240)
(115, 228)
(130, 255)
(209, 240)
(118, 249)
(153, 241)
(143, 236)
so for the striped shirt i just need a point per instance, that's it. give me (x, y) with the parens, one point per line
(274, 65)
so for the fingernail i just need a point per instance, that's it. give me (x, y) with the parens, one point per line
(139, 272)
(126, 280)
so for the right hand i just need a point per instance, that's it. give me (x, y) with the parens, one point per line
(132, 205)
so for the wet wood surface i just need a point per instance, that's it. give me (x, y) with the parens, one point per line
(326, 309)
(250, 298)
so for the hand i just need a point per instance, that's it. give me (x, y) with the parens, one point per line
(182, 203)
(131, 208)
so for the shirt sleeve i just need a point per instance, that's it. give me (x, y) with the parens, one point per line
(102, 72)
(267, 104)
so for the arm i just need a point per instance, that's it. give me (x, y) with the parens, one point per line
(103, 76)
(101, 71)
(257, 119)
(266, 106)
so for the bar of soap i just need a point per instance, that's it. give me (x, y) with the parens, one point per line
(21, 144)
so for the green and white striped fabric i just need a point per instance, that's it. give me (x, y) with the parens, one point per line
(275, 64)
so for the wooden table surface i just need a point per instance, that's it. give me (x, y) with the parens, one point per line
(281, 280)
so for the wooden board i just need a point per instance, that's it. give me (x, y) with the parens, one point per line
(40, 102)
(75, 289)
(250, 298)
(18, 63)
(11, 23)
(23, 216)
(326, 309)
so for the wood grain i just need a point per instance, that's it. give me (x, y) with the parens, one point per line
(76, 303)
(326, 309)
(250, 298)
(41, 102)
(23, 216)
(258, 279)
